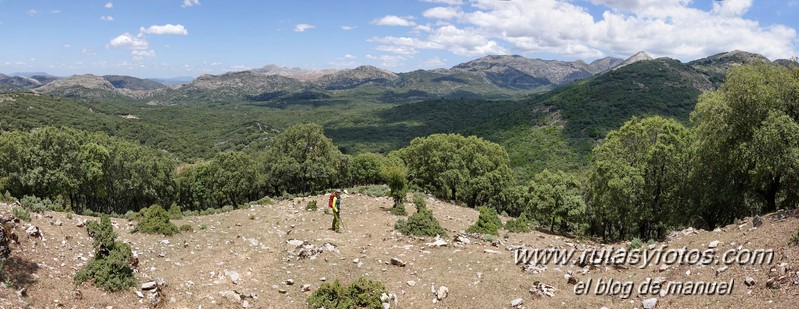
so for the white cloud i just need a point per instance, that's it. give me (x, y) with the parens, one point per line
(348, 56)
(303, 27)
(731, 7)
(165, 29)
(672, 28)
(109, 5)
(397, 49)
(389, 61)
(32, 12)
(432, 63)
(141, 54)
(107, 18)
(67, 46)
(348, 28)
(87, 52)
(393, 20)
(190, 3)
(128, 41)
(450, 2)
(441, 13)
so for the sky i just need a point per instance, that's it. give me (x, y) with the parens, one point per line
(170, 38)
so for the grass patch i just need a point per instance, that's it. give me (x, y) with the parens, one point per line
(186, 228)
(363, 293)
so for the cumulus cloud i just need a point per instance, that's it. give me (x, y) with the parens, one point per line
(450, 2)
(128, 41)
(393, 20)
(190, 3)
(109, 5)
(348, 28)
(107, 18)
(672, 28)
(165, 29)
(32, 12)
(388, 61)
(303, 27)
(141, 54)
(441, 13)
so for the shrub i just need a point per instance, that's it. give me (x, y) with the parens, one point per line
(399, 209)
(794, 240)
(186, 228)
(487, 223)
(519, 225)
(155, 220)
(21, 213)
(36, 204)
(7, 197)
(363, 293)
(131, 215)
(422, 223)
(373, 190)
(311, 206)
(226, 208)
(418, 200)
(110, 268)
(174, 212)
(635, 243)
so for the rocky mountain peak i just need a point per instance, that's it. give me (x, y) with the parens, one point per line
(639, 56)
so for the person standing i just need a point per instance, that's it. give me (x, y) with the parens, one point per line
(335, 204)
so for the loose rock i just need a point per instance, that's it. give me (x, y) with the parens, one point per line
(397, 262)
(649, 303)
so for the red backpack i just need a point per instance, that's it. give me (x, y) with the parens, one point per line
(330, 201)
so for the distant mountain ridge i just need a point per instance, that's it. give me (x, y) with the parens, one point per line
(496, 76)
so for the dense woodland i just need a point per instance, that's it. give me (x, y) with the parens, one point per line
(737, 155)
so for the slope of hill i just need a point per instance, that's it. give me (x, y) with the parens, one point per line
(19, 82)
(519, 72)
(249, 257)
(716, 66)
(132, 83)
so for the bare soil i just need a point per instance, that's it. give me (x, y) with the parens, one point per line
(483, 274)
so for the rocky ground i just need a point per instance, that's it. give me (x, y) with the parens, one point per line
(275, 256)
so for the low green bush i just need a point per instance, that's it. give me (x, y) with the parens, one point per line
(399, 209)
(155, 220)
(418, 200)
(36, 204)
(22, 214)
(635, 243)
(487, 223)
(311, 206)
(421, 223)
(186, 228)
(174, 212)
(110, 268)
(363, 293)
(518, 225)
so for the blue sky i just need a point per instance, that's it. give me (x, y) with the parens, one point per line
(165, 38)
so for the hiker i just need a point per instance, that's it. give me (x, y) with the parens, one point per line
(335, 204)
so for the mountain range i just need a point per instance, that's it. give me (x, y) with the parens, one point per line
(490, 77)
